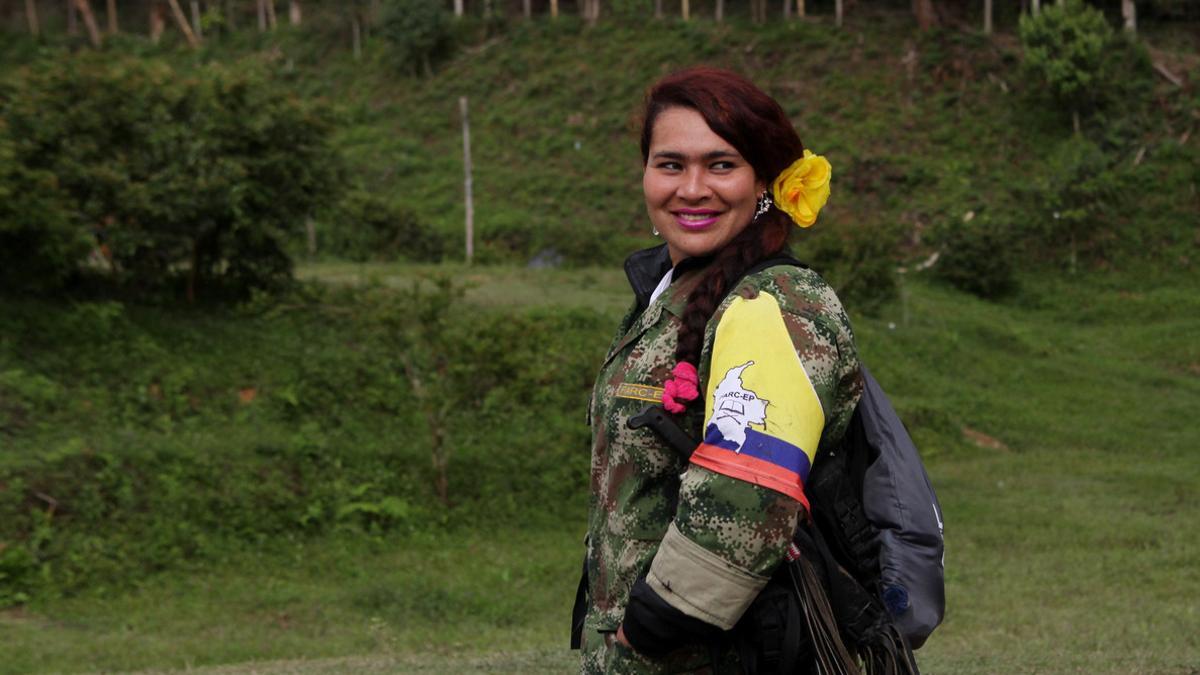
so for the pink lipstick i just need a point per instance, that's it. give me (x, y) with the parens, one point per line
(695, 219)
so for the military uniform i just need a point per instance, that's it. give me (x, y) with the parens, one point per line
(705, 535)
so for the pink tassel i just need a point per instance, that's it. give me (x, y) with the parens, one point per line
(684, 386)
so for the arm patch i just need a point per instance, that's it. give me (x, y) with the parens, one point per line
(763, 420)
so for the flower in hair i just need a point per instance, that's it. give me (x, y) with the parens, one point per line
(684, 385)
(803, 188)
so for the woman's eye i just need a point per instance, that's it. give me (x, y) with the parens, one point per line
(670, 166)
(723, 166)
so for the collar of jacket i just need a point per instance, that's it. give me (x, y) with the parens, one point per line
(645, 268)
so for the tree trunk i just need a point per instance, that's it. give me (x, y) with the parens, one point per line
(719, 13)
(89, 20)
(227, 14)
(1036, 6)
(158, 22)
(111, 11)
(787, 10)
(1129, 13)
(458, 8)
(987, 17)
(31, 16)
(838, 12)
(800, 9)
(923, 9)
(527, 8)
(294, 13)
(685, 9)
(182, 22)
(356, 36)
(261, 6)
(553, 8)
(271, 23)
(72, 18)
(196, 19)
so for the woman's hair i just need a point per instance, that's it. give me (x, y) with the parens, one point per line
(757, 127)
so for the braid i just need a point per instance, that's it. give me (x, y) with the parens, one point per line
(760, 240)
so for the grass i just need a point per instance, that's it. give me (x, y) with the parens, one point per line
(1057, 428)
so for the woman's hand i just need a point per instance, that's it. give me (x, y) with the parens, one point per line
(621, 636)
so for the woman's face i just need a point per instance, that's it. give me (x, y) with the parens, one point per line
(700, 191)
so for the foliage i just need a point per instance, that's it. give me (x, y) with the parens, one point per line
(364, 227)
(208, 170)
(419, 32)
(1072, 50)
(1074, 200)
(857, 261)
(39, 243)
(136, 440)
(977, 256)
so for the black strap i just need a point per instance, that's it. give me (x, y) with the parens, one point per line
(579, 611)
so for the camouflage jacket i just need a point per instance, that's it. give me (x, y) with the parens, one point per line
(707, 534)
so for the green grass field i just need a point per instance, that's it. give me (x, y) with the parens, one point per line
(1059, 429)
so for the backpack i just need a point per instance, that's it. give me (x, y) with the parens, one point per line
(876, 510)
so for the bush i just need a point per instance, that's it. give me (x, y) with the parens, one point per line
(1084, 65)
(364, 227)
(976, 256)
(857, 262)
(39, 243)
(208, 172)
(419, 32)
(1072, 199)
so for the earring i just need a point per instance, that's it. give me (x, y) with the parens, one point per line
(763, 204)
(655, 230)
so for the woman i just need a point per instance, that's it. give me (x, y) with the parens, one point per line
(677, 550)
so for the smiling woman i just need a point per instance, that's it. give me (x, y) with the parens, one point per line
(689, 522)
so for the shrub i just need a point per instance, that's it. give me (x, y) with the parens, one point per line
(976, 256)
(364, 227)
(39, 243)
(207, 172)
(1071, 199)
(419, 32)
(1084, 65)
(857, 262)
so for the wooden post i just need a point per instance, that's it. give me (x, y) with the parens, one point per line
(1129, 13)
(182, 22)
(111, 11)
(32, 17)
(89, 21)
(470, 206)
(356, 35)
(987, 17)
(196, 20)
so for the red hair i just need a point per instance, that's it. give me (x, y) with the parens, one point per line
(758, 128)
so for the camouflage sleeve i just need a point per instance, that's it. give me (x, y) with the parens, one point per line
(774, 384)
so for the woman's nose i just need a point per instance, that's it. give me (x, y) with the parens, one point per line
(694, 186)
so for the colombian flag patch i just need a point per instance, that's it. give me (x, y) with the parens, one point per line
(763, 419)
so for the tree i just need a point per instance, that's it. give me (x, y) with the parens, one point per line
(205, 176)
(1070, 48)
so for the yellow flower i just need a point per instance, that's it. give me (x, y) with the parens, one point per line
(803, 188)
